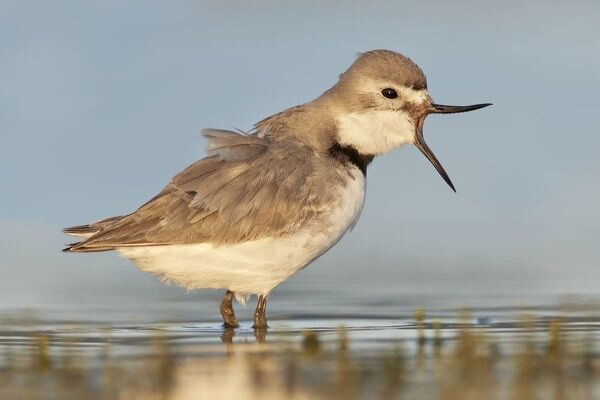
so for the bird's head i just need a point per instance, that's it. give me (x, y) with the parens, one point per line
(380, 103)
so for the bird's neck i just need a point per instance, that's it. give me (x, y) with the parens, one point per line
(313, 124)
(349, 155)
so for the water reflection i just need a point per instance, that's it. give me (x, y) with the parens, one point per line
(524, 357)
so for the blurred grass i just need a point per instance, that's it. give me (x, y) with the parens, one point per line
(534, 358)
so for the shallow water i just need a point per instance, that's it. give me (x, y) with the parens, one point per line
(325, 346)
(103, 330)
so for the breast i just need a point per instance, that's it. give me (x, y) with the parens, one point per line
(350, 201)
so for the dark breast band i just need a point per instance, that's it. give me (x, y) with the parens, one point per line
(349, 155)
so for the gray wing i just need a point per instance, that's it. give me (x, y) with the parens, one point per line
(247, 188)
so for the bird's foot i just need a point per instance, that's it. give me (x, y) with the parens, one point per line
(228, 334)
(227, 312)
(260, 314)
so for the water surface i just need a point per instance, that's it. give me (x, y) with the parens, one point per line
(323, 342)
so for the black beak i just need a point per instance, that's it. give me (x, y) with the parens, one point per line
(421, 145)
(420, 140)
(442, 109)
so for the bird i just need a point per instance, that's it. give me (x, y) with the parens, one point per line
(263, 204)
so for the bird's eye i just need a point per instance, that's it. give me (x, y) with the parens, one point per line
(389, 93)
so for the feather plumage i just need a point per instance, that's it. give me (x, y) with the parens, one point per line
(239, 192)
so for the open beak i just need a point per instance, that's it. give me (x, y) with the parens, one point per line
(442, 109)
(420, 140)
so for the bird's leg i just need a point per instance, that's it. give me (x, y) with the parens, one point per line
(227, 312)
(260, 316)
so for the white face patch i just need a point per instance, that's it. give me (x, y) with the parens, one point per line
(413, 96)
(375, 131)
(380, 130)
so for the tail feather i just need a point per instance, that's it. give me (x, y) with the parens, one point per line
(87, 231)
(80, 230)
(78, 248)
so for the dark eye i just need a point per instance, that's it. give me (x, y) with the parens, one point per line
(389, 93)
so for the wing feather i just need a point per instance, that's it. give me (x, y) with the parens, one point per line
(248, 187)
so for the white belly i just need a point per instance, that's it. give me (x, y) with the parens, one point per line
(253, 267)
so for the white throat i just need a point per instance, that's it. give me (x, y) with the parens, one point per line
(375, 132)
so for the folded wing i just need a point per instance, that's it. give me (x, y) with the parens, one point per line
(245, 189)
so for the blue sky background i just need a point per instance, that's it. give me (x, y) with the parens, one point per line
(101, 102)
